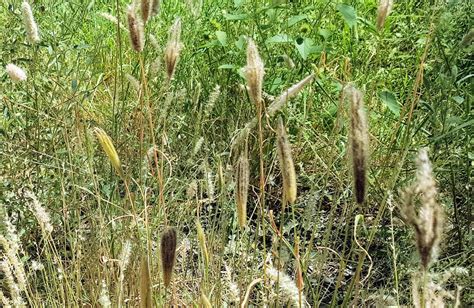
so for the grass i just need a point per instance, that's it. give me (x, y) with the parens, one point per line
(82, 225)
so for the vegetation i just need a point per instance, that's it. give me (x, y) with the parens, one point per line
(236, 153)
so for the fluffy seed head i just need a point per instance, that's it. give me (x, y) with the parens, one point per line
(104, 299)
(287, 286)
(242, 186)
(173, 48)
(383, 10)
(286, 163)
(254, 72)
(16, 74)
(155, 7)
(428, 223)
(109, 149)
(135, 27)
(30, 24)
(359, 142)
(168, 254)
(145, 283)
(145, 9)
(40, 212)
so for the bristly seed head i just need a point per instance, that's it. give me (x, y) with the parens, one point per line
(359, 142)
(145, 9)
(135, 27)
(286, 163)
(16, 74)
(242, 185)
(155, 7)
(173, 48)
(30, 23)
(109, 149)
(254, 72)
(428, 223)
(383, 10)
(168, 253)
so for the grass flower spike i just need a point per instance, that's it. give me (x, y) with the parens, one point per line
(30, 23)
(109, 149)
(168, 254)
(16, 74)
(135, 27)
(173, 48)
(254, 72)
(359, 142)
(286, 163)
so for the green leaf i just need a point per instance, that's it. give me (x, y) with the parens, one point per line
(306, 47)
(236, 16)
(279, 38)
(296, 19)
(238, 3)
(226, 67)
(390, 100)
(325, 33)
(241, 42)
(348, 13)
(222, 37)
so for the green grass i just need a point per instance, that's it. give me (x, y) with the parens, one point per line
(416, 80)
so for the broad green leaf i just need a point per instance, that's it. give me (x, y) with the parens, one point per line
(296, 19)
(325, 33)
(390, 100)
(222, 37)
(348, 13)
(241, 42)
(306, 47)
(279, 38)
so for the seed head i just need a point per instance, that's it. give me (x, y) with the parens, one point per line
(173, 48)
(109, 149)
(145, 283)
(30, 23)
(242, 185)
(428, 223)
(145, 9)
(16, 74)
(359, 142)
(201, 236)
(135, 27)
(168, 254)
(383, 10)
(254, 72)
(155, 7)
(286, 163)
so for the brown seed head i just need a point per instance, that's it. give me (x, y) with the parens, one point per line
(155, 7)
(173, 48)
(168, 254)
(254, 72)
(145, 9)
(135, 27)
(359, 142)
(242, 187)
(428, 223)
(383, 10)
(286, 163)
(145, 283)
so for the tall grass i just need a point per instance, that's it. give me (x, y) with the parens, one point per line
(196, 153)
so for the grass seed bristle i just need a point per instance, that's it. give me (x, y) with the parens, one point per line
(168, 254)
